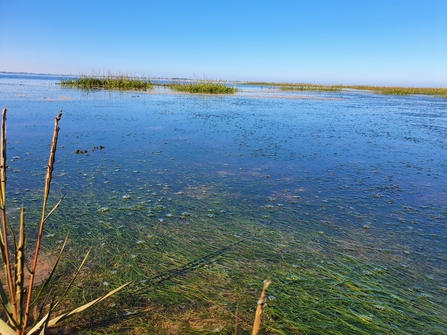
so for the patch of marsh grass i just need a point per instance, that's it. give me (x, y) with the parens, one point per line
(387, 90)
(398, 90)
(109, 82)
(309, 87)
(203, 87)
(298, 87)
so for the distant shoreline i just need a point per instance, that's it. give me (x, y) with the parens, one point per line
(36, 74)
(78, 75)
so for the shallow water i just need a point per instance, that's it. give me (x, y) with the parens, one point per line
(363, 168)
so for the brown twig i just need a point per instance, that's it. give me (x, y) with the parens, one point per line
(261, 304)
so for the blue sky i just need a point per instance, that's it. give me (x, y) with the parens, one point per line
(329, 42)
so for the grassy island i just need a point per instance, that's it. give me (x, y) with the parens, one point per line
(127, 83)
(203, 86)
(109, 82)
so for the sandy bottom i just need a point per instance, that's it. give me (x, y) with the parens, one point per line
(45, 265)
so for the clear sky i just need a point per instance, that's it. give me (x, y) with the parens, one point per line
(378, 42)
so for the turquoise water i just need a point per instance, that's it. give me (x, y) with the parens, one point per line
(360, 167)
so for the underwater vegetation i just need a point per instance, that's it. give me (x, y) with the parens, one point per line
(196, 262)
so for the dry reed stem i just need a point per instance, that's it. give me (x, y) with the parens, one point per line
(3, 160)
(4, 235)
(20, 267)
(259, 309)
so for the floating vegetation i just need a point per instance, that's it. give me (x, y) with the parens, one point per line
(203, 87)
(109, 82)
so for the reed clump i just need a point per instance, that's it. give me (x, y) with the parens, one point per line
(203, 87)
(27, 311)
(109, 82)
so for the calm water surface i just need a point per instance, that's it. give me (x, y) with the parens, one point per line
(351, 165)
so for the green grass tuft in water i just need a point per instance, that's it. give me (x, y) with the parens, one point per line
(109, 82)
(204, 87)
